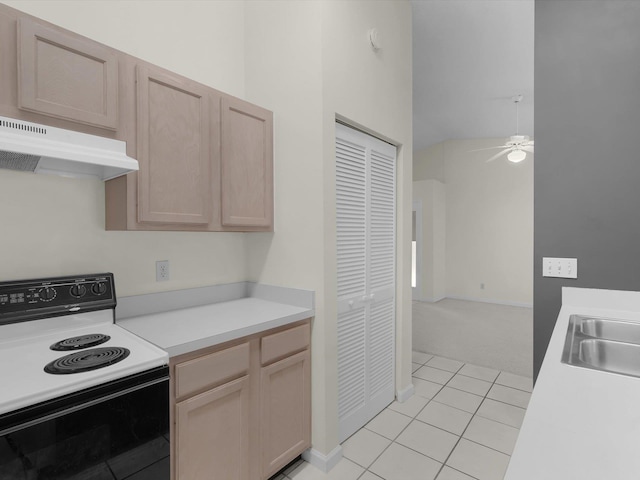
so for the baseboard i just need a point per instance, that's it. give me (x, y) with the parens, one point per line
(406, 393)
(496, 302)
(430, 300)
(320, 460)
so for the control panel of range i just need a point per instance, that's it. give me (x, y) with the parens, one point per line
(55, 296)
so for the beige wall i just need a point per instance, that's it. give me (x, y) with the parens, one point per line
(306, 61)
(284, 73)
(432, 273)
(428, 164)
(53, 225)
(489, 220)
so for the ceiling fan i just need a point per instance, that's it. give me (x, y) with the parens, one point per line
(516, 146)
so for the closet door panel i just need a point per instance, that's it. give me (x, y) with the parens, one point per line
(351, 227)
(365, 229)
(381, 349)
(351, 230)
(381, 274)
(382, 231)
(352, 372)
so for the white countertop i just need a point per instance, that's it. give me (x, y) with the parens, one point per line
(189, 329)
(581, 423)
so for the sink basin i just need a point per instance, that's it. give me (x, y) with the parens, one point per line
(603, 344)
(616, 357)
(617, 330)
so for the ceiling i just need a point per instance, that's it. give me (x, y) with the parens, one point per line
(470, 57)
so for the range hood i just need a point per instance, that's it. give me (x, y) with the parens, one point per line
(31, 147)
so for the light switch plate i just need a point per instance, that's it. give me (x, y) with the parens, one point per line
(560, 267)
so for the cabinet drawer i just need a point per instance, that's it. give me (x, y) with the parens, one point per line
(285, 343)
(211, 370)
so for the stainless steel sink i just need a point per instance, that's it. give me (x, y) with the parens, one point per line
(616, 357)
(603, 344)
(617, 330)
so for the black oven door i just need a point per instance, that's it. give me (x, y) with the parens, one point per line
(115, 431)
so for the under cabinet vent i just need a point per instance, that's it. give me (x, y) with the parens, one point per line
(19, 161)
(31, 147)
(25, 127)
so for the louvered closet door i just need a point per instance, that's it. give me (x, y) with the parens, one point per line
(365, 227)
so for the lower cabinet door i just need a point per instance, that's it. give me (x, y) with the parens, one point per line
(285, 411)
(212, 434)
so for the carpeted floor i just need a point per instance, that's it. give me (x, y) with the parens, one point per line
(487, 334)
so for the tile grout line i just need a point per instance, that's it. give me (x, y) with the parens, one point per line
(394, 440)
(463, 432)
(458, 372)
(484, 397)
(432, 399)
(429, 400)
(465, 363)
(442, 464)
(387, 447)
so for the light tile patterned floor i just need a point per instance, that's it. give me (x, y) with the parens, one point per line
(461, 424)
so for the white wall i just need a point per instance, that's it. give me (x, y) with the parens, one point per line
(310, 62)
(489, 220)
(53, 225)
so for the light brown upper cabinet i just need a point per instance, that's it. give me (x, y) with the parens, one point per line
(66, 76)
(206, 160)
(173, 140)
(247, 164)
(205, 157)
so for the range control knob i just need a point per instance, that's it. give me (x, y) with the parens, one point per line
(78, 290)
(99, 288)
(47, 294)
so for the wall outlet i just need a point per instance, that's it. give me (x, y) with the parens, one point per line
(560, 267)
(162, 270)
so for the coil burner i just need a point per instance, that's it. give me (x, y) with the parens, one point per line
(78, 343)
(87, 360)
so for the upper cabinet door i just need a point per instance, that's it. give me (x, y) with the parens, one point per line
(174, 181)
(66, 76)
(246, 164)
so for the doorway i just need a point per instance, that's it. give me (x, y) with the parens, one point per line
(416, 250)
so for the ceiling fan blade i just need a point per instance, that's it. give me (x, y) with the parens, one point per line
(498, 155)
(527, 148)
(530, 142)
(488, 148)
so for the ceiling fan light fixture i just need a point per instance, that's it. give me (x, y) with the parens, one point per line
(516, 156)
